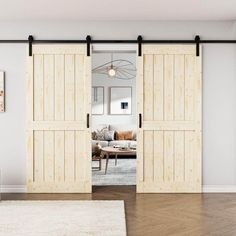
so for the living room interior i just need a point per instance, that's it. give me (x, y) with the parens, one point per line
(114, 118)
(60, 95)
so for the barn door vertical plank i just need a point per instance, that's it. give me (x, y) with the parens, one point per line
(59, 156)
(140, 141)
(148, 116)
(168, 156)
(198, 118)
(38, 87)
(79, 87)
(169, 116)
(148, 88)
(158, 156)
(148, 146)
(38, 99)
(158, 94)
(39, 156)
(49, 87)
(69, 87)
(30, 118)
(169, 87)
(59, 116)
(59, 87)
(189, 155)
(179, 91)
(179, 156)
(69, 116)
(88, 104)
(70, 155)
(49, 147)
(189, 87)
(158, 110)
(80, 149)
(179, 87)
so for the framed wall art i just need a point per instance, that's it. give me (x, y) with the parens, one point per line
(97, 100)
(120, 100)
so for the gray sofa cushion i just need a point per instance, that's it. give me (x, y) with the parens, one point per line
(123, 143)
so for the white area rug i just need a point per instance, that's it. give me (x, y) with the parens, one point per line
(62, 218)
(124, 173)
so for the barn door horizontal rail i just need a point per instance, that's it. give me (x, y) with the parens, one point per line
(144, 41)
(118, 41)
(138, 41)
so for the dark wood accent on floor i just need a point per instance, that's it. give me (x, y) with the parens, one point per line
(162, 214)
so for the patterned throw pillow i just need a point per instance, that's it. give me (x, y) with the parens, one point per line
(100, 134)
(109, 135)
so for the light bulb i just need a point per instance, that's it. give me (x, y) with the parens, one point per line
(112, 72)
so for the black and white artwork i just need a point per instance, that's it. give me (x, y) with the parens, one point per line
(120, 100)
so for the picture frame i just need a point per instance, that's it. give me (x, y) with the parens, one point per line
(97, 100)
(121, 100)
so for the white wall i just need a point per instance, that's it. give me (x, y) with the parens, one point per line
(219, 87)
(101, 80)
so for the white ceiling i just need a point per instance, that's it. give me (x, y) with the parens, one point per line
(118, 10)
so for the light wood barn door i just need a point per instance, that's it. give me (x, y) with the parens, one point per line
(169, 100)
(59, 148)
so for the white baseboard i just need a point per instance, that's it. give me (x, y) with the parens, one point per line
(205, 189)
(13, 189)
(219, 189)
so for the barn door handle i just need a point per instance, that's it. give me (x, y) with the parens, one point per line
(140, 120)
(87, 120)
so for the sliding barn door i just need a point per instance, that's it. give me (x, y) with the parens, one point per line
(59, 149)
(169, 101)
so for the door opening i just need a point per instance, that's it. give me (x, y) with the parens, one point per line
(114, 117)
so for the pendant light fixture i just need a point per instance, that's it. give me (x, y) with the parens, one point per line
(116, 69)
(111, 70)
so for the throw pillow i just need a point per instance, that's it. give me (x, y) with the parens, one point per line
(124, 135)
(109, 135)
(94, 135)
(100, 134)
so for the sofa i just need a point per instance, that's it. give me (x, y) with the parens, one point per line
(118, 139)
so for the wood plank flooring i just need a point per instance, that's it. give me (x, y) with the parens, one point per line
(162, 214)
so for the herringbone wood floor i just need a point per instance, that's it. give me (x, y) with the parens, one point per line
(162, 214)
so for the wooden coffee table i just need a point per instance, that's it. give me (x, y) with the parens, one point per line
(115, 151)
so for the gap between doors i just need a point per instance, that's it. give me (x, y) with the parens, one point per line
(114, 115)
